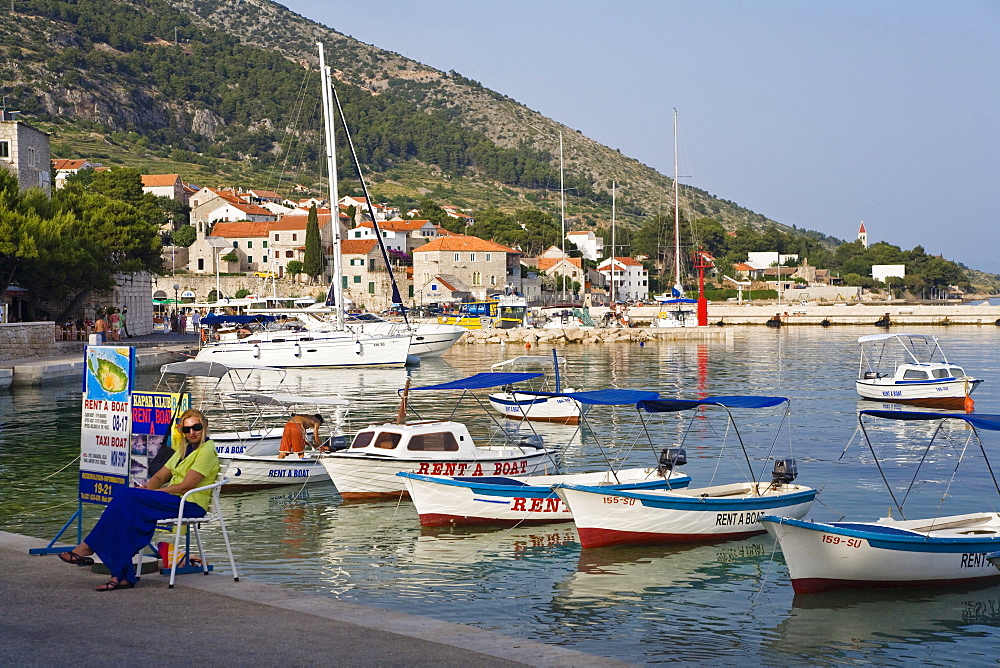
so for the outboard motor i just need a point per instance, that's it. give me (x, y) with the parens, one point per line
(785, 471)
(671, 457)
(337, 442)
(532, 441)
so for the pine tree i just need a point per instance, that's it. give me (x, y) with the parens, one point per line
(313, 260)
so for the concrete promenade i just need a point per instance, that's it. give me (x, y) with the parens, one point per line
(153, 351)
(52, 615)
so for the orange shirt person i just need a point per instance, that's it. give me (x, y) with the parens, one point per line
(293, 437)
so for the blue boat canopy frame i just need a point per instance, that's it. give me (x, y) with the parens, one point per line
(977, 422)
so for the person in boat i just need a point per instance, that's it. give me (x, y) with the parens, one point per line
(128, 523)
(293, 437)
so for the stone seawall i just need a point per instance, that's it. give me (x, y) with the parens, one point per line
(528, 336)
(27, 339)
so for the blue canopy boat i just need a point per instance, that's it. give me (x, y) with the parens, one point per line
(506, 500)
(720, 512)
(952, 550)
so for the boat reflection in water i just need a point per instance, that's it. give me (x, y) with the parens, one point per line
(605, 575)
(853, 623)
(441, 545)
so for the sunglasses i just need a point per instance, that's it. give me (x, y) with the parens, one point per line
(195, 427)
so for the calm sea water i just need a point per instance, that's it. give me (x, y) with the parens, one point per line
(723, 603)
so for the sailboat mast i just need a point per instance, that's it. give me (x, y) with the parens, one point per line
(613, 187)
(337, 288)
(562, 214)
(677, 220)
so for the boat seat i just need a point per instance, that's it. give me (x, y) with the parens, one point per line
(213, 516)
(957, 524)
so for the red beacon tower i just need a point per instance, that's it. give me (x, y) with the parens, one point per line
(704, 261)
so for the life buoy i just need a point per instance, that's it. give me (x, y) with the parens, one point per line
(204, 335)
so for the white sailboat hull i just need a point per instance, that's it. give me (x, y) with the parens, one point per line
(846, 555)
(362, 475)
(309, 350)
(722, 512)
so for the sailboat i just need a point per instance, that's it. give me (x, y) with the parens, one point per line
(341, 345)
(673, 313)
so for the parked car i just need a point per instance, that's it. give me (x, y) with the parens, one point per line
(263, 274)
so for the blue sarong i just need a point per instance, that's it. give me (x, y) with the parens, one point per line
(128, 523)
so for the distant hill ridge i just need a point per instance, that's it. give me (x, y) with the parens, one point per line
(108, 72)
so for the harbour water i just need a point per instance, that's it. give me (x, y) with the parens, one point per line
(722, 603)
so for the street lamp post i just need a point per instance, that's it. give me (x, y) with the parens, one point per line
(218, 290)
(176, 304)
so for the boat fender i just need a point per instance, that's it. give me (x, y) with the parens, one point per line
(359, 348)
(825, 323)
(785, 471)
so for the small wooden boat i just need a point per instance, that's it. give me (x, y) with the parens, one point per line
(444, 500)
(368, 468)
(717, 512)
(558, 407)
(939, 551)
(912, 369)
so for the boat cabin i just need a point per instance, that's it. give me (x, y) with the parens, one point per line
(922, 372)
(416, 437)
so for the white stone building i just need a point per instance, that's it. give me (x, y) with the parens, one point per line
(631, 278)
(24, 151)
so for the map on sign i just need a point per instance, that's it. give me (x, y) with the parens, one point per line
(108, 373)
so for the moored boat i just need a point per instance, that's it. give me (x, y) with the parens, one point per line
(938, 551)
(912, 369)
(442, 500)
(558, 407)
(368, 468)
(716, 512)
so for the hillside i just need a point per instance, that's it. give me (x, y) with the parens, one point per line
(107, 78)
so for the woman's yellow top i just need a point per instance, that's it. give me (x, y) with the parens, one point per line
(205, 461)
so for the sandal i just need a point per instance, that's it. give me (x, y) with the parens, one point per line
(76, 559)
(114, 585)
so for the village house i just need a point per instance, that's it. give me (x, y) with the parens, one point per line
(165, 185)
(401, 235)
(630, 277)
(24, 151)
(249, 241)
(589, 245)
(288, 240)
(570, 267)
(204, 255)
(486, 267)
(366, 281)
(209, 206)
(66, 168)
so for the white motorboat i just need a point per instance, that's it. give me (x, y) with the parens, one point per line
(938, 551)
(912, 369)
(556, 407)
(368, 468)
(458, 500)
(249, 457)
(673, 314)
(717, 512)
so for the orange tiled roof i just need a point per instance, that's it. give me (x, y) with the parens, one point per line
(357, 246)
(296, 221)
(461, 242)
(546, 263)
(68, 164)
(397, 225)
(241, 229)
(159, 180)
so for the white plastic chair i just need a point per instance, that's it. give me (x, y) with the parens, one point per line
(214, 515)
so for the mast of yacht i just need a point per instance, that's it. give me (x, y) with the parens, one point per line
(613, 186)
(678, 288)
(562, 215)
(336, 293)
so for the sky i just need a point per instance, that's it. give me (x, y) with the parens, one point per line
(814, 114)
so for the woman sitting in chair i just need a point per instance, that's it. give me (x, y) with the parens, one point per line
(128, 523)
